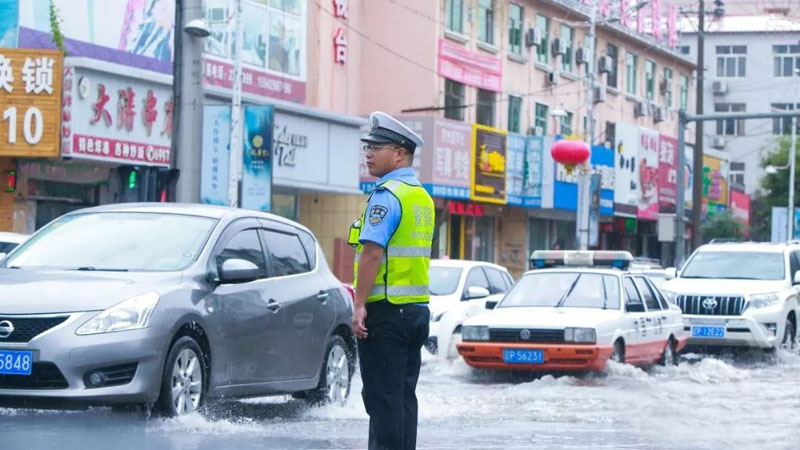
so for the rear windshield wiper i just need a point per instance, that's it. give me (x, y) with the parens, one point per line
(101, 269)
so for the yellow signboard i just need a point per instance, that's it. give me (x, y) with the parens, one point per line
(30, 102)
(715, 180)
(488, 166)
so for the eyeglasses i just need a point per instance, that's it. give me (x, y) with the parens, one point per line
(372, 148)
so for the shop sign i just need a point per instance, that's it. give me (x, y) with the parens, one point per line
(30, 102)
(257, 166)
(465, 209)
(667, 173)
(626, 179)
(216, 154)
(740, 206)
(341, 11)
(715, 180)
(656, 20)
(117, 119)
(647, 171)
(566, 188)
(473, 69)
(524, 170)
(488, 165)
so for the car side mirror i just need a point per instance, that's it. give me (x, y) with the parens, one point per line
(671, 272)
(490, 304)
(475, 292)
(238, 271)
(795, 281)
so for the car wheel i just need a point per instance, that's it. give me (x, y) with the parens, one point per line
(789, 335)
(334, 379)
(618, 355)
(455, 339)
(669, 358)
(183, 384)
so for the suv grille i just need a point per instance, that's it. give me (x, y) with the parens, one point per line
(44, 375)
(514, 335)
(711, 305)
(27, 328)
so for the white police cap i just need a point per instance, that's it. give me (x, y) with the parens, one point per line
(388, 130)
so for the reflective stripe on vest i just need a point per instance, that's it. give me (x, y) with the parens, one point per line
(403, 272)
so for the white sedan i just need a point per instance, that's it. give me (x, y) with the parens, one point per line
(459, 290)
(10, 241)
(575, 317)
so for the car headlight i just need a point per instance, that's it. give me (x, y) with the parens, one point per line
(437, 317)
(763, 300)
(671, 297)
(132, 314)
(475, 333)
(580, 335)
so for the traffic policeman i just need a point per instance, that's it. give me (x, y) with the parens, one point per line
(393, 247)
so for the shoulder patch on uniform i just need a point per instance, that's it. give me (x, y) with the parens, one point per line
(376, 214)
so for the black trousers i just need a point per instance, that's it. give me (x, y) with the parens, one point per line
(390, 359)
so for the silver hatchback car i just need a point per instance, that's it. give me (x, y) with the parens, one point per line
(168, 305)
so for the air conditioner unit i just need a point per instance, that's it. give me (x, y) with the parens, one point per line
(581, 56)
(605, 64)
(217, 15)
(553, 77)
(719, 87)
(536, 131)
(718, 142)
(599, 94)
(533, 37)
(559, 47)
(640, 109)
(659, 114)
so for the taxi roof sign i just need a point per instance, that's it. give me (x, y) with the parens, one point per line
(602, 258)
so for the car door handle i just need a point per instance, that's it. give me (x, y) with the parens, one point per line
(322, 296)
(649, 319)
(273, 306)
(664, 317)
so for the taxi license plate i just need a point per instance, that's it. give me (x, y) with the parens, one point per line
(708, 332)
(523, 356)
(13, 362)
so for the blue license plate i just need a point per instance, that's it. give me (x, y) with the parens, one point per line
(14, 362)
(708, 332)
(523, 356)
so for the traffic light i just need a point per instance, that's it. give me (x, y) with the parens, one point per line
(132, 179)
(11, 181)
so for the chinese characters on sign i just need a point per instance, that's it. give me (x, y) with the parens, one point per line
(488, 165)
(216, 154)
(30, 102)
(471, 68)
(342, 12)
(649, 17)
(257, 166)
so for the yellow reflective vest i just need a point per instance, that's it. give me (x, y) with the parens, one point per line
(403, 274)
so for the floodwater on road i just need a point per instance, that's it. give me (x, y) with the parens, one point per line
(748, 400)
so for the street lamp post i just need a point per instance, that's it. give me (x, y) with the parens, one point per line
(792, 157)
(236, 142)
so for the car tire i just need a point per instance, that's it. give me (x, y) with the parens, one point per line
(455, 339)
(184, 381)
(789, 341)
(335, 375)
(669, 357)
(618, 355)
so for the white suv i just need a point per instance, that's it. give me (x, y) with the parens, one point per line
(739, 294)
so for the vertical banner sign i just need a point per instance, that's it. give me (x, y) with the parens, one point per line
(216, 154)
(257, 166)
(515, 168)
(532, 175)
(648, 174)
(626, 181)
(488, 164)
(594, 209)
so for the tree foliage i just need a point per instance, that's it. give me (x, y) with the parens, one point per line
(723, 225)
(774, 187)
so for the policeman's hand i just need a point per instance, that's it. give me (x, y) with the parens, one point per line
(359, 321)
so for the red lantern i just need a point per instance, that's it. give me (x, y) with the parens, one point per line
(570, 153)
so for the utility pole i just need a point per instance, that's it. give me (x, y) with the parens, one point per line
(584, 173)
(235, 154)
(697, 173)
(792, 157)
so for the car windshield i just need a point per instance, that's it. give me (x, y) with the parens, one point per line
(443, 280)
(115, 242)
(736, 265)
(564, 289)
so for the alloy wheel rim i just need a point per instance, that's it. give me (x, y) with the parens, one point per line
(187, 382)
(337, 375)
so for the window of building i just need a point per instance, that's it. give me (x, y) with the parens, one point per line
(516, 19)
(486, 21)
(684, 49)
(514, 113)
(566, 124)
(730, 127)
(540, 117)
(454, 100)
(568, 37)
(668, 92)
(613, 52)
(737, 173)
(454, 15)
(786, 60)
(485, 108)
(783, 125)
(543, 50)
(631, 67)
(649, 80)
(731, 60)
(683, 85)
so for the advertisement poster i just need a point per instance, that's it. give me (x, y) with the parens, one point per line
(715, 181)
(488, 165)
(594, 209)
(257, 167)
(515, 168)
(216, 154)
(647, 173)
(740, 207)
(566, 184)
(626, 184)
(667, 173)
(780, 223)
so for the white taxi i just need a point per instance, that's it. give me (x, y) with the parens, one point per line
(575, 311)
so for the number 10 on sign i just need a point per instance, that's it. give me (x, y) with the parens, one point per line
(32, 125)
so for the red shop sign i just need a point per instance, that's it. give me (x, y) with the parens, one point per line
(465, 209)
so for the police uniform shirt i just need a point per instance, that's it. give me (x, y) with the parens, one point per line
(383, 209)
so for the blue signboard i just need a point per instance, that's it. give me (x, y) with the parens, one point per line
(216, 154)
(524, 170)
(565, 191)
(257, 165)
